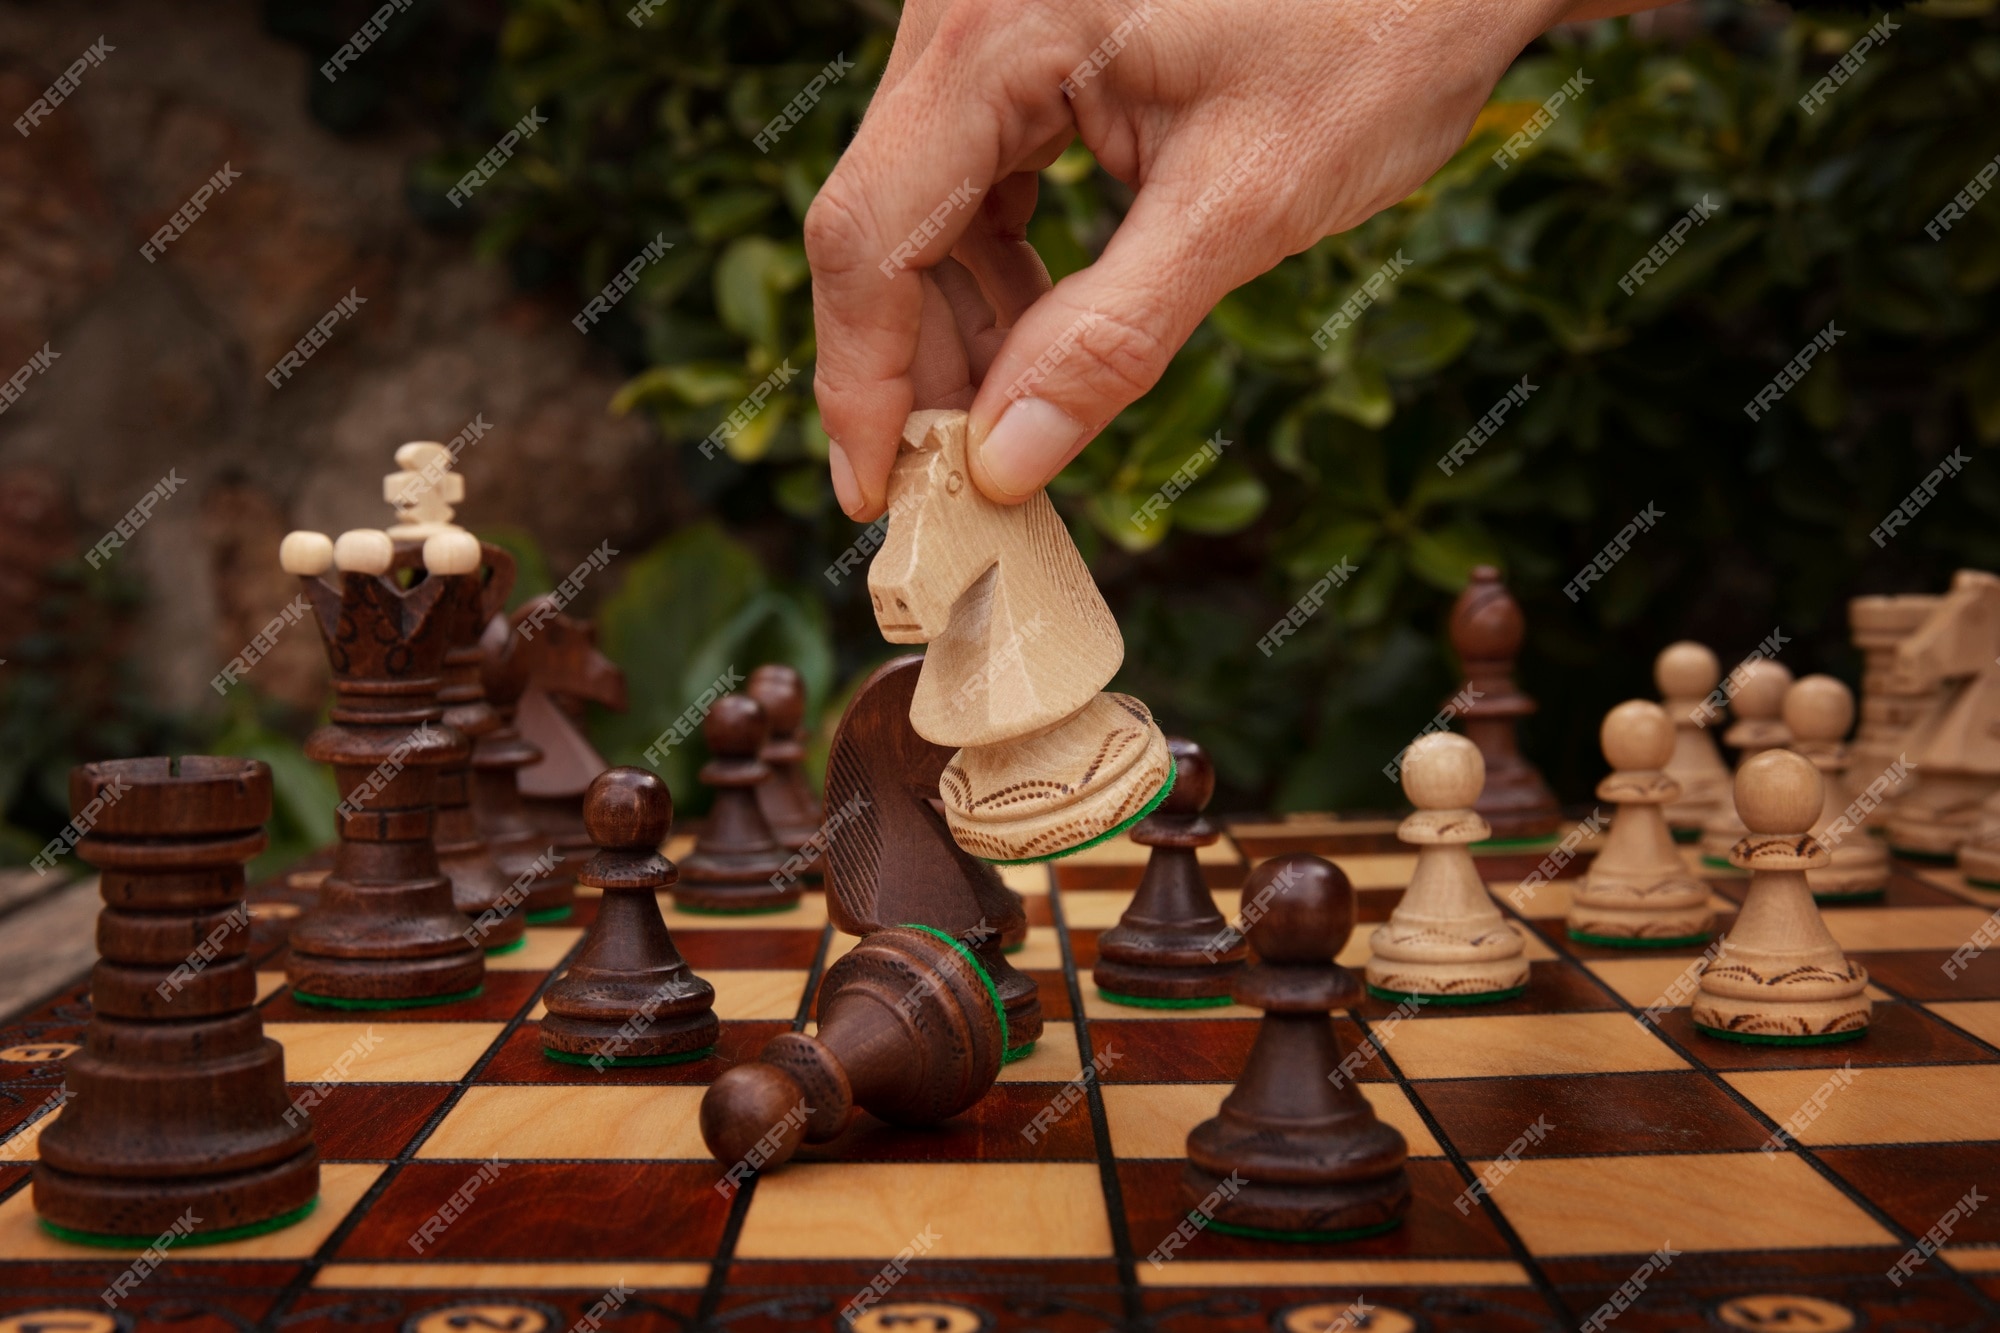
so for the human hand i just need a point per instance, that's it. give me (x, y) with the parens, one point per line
(1248, 132)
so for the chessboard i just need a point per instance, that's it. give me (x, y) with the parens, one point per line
(1578, 1140)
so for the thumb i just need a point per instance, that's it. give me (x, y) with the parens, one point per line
(1095, 342)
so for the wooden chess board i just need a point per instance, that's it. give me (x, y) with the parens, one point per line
(596, 1182)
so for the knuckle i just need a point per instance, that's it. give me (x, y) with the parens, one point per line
(1120, 357)
(836, 229)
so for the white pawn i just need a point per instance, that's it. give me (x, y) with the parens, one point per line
(423, 491)
(1687, 674)
(1446, 938)
(1759, 705)
(1638, 892)
(1818, 711)
(1778, 977)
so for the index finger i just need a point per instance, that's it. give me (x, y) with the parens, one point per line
(899, 199)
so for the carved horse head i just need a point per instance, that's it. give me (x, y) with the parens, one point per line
(1019, 636)
(890, 858)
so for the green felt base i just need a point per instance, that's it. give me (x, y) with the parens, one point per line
(1478, 997)
(1540, 843)
(1628, 942)
(1015, 948)
(1258, 1233)
(1108, 834)
(630, 1061)
(1774, 1039)
(1687, 835)
(1836, 899)
(1911, 854)
(428, 1001)
(691, 910)
(1716, 862)
(992, 991)
(1018, 1053)
(514, 947)
(1161, 1002)
(1983, 883)
(263, 1228)
(550, 917)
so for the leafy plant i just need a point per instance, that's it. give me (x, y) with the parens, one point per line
(1331, 454)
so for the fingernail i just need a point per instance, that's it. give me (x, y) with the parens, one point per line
(1028, 445)
(845, 488)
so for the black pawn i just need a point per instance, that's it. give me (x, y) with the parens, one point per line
(628, 998)
(1172, 948)
(737, 865)
(785, 797)
(1320, 1166)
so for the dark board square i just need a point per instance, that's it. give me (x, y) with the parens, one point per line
(1053, 989)
(1800, 1291)
(1918, 974)
(499, 1309)
(1196, 1050)
(1918, 1185)
(599, 1211)
(707, 950)
(1099, 875)
(160, 1302)
(370, 1122)
(501, 996)
(1590, 1115)
(1898, 1034)
(1454, 1309)
(1048, 1296)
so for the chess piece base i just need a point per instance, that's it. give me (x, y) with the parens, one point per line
(709, 899)
(1303, 1212)
(1934, 829)
(1780, 1039)
(1778, 1022)
(1621, 924)
(476, 886)
(1440, 997)
(630, 1061)
(320, 1001)
(1462, 982)
(1087, 778)
(122, 1210)
(1980, 862)
(1164, 1002)
(1864, 873)
(676, 1038)
(1151, 986)
(385, 982)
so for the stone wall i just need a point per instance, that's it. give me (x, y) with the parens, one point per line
(160, 366)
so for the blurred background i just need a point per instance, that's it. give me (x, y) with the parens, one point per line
(464, 322)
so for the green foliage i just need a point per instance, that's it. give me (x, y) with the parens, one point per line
(303, 795)
(695, 610)
(1332, 452)
(69, 693)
